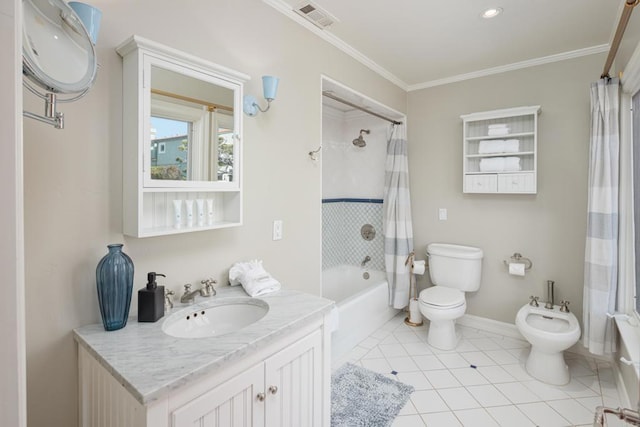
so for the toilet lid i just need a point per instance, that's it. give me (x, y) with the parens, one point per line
(442, 296)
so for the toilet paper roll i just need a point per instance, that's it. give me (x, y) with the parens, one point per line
(516, 268)
(414, 311)
(419, 267)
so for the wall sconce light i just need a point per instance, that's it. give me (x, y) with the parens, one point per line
(90, 17)
(270, 88)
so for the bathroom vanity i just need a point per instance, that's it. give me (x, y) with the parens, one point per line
(274, 372)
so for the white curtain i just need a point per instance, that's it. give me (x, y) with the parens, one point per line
(397, 227)
(601, 251)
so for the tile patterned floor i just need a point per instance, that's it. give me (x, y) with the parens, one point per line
(498, 392)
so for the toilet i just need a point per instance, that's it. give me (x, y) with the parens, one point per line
(454, 270)
(550, 332)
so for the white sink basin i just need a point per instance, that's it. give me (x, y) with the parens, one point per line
(215, 318)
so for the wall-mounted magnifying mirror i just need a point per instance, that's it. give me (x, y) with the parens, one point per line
(57, 55)
(191, 128)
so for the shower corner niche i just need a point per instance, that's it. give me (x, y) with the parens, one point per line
(182, 141)
(500, 151)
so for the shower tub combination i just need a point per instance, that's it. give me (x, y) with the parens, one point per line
(362, 304)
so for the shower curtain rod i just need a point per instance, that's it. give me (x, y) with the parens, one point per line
(617, 38)
(328, 94)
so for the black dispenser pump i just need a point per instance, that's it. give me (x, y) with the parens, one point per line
(151, 299)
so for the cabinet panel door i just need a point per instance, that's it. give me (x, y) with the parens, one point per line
(231, 404)
(481, 183)
(297, 373)
(517, 183)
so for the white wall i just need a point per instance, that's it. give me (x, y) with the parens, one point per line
(73, 184)
(549, 227)
(12, 355)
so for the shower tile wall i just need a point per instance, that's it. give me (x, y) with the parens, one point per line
(341, 239)
(352, 188)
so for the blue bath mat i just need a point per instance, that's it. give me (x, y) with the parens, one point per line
(360, 397)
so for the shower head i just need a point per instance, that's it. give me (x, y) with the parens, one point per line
(359, 141)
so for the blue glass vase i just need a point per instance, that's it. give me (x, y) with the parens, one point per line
(114, 278)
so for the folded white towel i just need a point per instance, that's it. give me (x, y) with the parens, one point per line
(511, 146)
(500, 164)
(498, 131)
(491, 146)
(497, 125)
(253, 278)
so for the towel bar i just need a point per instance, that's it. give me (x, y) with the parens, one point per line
(518, 258)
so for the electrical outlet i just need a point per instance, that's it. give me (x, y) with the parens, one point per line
(277, 229)
(442, 214)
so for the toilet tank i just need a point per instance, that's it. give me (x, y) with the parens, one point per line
(455, 266)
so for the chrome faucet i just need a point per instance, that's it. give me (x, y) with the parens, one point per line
(365, 261)
(168, 304)
(549, 303)
(207, 290)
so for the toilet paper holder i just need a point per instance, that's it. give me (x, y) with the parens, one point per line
(519, 259)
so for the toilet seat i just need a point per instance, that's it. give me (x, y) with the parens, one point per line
(442, 297)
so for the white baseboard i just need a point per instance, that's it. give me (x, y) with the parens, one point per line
(511, 330)
(490, 325)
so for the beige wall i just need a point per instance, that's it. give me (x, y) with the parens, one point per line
(549, 227)
(73, 177)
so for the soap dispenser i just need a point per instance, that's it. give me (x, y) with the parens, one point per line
(151, 299)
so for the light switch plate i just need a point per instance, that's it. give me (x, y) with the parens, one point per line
(442, 214)
(277, 229)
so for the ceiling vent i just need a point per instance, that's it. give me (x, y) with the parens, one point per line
(315, 14)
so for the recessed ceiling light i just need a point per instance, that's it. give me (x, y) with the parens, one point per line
(492, 12)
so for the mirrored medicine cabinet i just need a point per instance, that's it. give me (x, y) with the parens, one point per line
(182, 141)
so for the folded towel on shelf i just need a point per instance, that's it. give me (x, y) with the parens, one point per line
(498, 131)
(500, 164)
(253, 278)
(511, 146)
(491, 146)
(497, 125)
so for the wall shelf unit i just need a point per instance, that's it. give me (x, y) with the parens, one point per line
(500, 150)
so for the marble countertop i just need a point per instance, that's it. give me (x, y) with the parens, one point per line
(150, 363)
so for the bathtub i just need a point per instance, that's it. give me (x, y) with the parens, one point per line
(362, 305)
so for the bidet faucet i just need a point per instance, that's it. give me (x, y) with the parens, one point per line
(207, 290)
(365, 261)
(549, 303)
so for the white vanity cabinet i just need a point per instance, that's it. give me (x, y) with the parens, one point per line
(500, 151)
(284, 390)
(182, 137)
(285, 384)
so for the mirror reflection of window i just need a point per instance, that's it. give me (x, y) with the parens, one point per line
(225, 148)
(169, 148)
(194, 119)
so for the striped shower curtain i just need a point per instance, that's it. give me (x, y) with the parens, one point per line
(397, 228)
(601, 252)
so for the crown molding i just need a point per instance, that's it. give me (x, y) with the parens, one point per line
(286, 10)
(512, 67)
